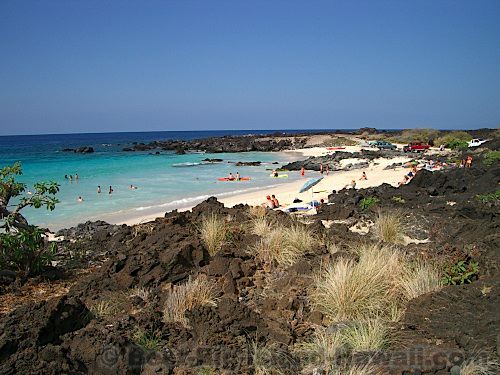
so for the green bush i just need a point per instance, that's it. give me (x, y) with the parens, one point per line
(454, 140)
(491, 158)
(25, 250)
(368, 202)
(22, 246)
(457, 145)
(399, 200)
(461, 273)
(491, 197)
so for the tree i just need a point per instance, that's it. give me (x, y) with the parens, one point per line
(22, 246)
(10, 215)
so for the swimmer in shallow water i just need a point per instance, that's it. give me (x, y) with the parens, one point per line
(80, 199)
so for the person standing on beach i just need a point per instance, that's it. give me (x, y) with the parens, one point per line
(302, 171)
(99, 189)
(110, 189)
(327, 170)
(321, 168)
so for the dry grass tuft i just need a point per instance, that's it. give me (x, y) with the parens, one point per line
(257, 212)
(321, 351)
(197, 292)
(367, 369)
(418, 279)
(261, 226)
(142, 293)
(282, 246)
(366, 335)
(213, 232)
(389, 228)
(479, 366)
(348, 290)
(271, 361)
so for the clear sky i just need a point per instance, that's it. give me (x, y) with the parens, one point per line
(91, 66)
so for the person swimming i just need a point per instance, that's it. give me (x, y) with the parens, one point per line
(99, 189)
(110, 190)
(132, 187)
(80, 199)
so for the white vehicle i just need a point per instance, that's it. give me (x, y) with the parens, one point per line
(476, 142)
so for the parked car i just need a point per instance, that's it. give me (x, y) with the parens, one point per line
(383, 145)
(476, 142)
(416, 147)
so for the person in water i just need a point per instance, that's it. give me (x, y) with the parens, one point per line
(238, 176)
(99, 189)
(65, 176)
(275, 174)
(132, 187)
(80, 199)
(110, 190)
(230, 177)
(275, 201)
(76, 176)
(71, 177)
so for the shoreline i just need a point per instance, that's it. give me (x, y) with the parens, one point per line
(286, 192)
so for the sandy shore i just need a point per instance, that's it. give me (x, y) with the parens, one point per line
(286, 192)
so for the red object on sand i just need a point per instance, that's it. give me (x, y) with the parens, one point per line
(335, 148)
(234, 179)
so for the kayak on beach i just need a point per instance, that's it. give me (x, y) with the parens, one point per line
(233, 179)
(279, 176)
(335, 148)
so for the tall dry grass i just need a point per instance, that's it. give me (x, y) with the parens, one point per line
(419, 278)
(480, 366)
(184, 297)
(349, 290)
(257, 212)
(389, 228)
(367, 335)
(321, 351)
(213, 232)
(280, 245)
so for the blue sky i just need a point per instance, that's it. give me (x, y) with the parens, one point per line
(91, 66)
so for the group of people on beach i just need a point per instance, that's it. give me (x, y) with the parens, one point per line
(271, 202)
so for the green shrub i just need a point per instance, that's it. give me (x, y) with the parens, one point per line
(25, 250)
(146, 340)
(457, 145)
(454, 140)
(368, 202)
(491, 158)
(398, 200)
(461, 273)
(491, 197)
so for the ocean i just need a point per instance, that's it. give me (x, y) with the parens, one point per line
(164, 182)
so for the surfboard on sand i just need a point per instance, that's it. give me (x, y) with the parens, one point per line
(279, 176)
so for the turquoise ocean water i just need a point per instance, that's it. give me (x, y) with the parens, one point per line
(164, 182)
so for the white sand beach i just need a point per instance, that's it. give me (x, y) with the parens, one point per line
(285, 193)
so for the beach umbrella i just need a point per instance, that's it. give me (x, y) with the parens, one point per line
(309, 184)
